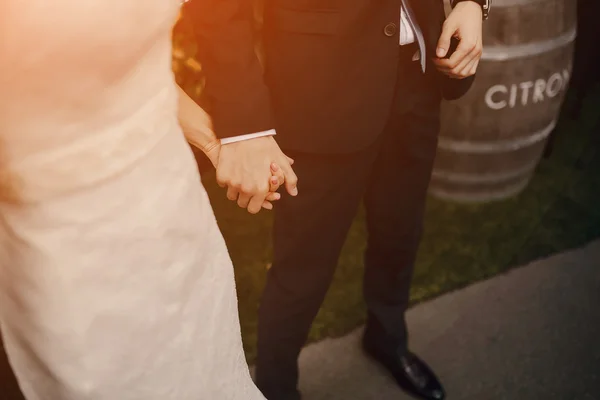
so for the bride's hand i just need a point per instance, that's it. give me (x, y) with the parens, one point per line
(277, 179)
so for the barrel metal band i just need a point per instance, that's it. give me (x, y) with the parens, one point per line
(484, 178)
(476, 178)
(481, 196)
(503, 53)
(460, 146)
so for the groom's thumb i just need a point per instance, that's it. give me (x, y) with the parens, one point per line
(443, 45)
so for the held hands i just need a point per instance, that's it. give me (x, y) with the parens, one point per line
(465, 24)
(212, 151)
(252, 170)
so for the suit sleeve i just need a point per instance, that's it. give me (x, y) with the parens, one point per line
(237, 96)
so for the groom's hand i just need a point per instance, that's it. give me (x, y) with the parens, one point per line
(245, 169)
(464, 23)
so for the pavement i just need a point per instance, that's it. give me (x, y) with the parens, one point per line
(530, 334)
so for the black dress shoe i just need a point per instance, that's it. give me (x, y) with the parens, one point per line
(411, 373)
(289, 395)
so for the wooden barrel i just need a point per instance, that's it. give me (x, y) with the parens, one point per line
(492, 139)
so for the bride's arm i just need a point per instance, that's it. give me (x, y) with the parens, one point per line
(197, 127)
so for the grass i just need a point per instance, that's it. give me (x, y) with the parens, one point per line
(462, 243)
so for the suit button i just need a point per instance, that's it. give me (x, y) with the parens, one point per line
(390, 29)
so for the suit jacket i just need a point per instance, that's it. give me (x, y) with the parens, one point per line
(329, 71)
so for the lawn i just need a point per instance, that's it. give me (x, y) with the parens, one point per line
(462, 243)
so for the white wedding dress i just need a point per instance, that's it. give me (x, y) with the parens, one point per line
(115, 282)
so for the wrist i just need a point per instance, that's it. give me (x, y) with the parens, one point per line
(202, 138)
(250, 136)
(210, 146)
(484, 6)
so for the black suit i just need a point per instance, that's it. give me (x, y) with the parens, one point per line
(361, 121)
(330, 69)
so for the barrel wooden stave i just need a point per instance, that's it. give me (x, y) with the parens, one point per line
(544, 20)
(489, 111)
(493, 138)
(488, 164)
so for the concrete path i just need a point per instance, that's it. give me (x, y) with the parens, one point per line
(532, 334)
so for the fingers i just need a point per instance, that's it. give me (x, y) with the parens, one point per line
(246, 197)
(473, 70)
(462, 51)
(232, 193)
(448, 30)
(241, 168)
(252, 197)
(273, 197)
(463, 69)
(464, 25)
(267, 205)
(463, 63)
(291, 180)
(220, 181)
(244, 200)
(274, 183)
(278, 173)
(466, 70)
(256, 203)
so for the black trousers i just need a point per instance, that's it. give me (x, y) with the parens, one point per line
(391, 177)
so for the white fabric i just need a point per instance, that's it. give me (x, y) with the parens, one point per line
(407, 35)
(115, 282)
(234, 139)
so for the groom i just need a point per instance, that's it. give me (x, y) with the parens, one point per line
(351, 91)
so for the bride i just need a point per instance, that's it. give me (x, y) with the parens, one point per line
(115, 282)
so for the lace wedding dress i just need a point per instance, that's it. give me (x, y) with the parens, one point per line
(115, 282)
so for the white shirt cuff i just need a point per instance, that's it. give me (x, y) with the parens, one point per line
(270, 132)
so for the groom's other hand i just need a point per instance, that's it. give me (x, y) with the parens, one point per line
(464, 23)
(244, 167)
